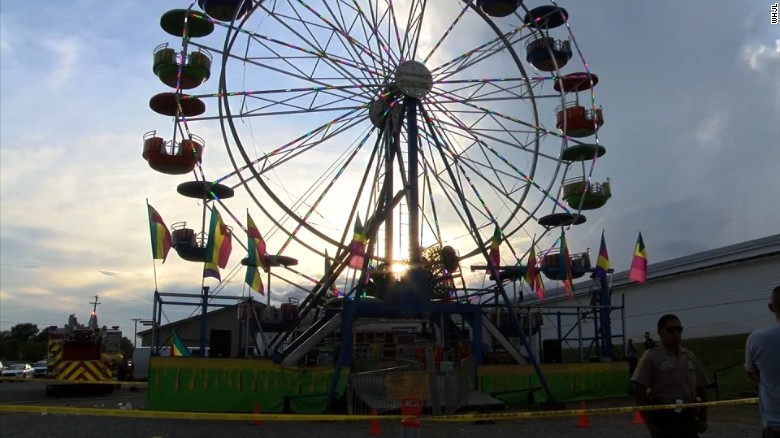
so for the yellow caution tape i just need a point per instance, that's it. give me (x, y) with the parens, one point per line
(122, 384)
(577, 412)
(108, 412)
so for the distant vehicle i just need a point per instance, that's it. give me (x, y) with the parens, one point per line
(40, 368)
(19, 370)
(1, 367)
(141, 356)
(79, 353)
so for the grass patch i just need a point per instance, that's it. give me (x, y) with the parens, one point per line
(724, 355)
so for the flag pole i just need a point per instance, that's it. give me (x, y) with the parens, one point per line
(154, 265)
(203, 227)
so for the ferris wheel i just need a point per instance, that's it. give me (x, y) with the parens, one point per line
(431, 123)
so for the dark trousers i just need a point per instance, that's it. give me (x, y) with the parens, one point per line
(771, 432)
(674, 425)
(631, 366)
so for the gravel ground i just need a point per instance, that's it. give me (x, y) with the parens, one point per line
(725, 422)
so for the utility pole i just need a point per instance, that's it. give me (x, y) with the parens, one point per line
(95, 304)
(135, 330)
(93, 322)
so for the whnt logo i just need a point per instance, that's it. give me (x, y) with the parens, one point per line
(773, 14)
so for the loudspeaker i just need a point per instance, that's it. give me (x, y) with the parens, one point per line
(219, 343)
(551, 350)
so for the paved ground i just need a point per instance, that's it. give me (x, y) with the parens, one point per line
(725, 422)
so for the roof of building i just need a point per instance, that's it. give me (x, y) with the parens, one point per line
(211, 314)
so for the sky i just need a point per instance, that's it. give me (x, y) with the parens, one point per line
(691, 105)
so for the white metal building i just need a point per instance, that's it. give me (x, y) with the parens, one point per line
(717, 292)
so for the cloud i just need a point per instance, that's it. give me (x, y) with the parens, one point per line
(7, 41)
(110, 273)
(762, 57)
(66, 51)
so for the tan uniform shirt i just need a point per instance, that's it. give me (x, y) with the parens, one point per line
(670, 377)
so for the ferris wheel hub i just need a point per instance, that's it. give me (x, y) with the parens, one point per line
(413, 79)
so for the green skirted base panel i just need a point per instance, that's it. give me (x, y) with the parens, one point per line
(567, 382)
(196, 384)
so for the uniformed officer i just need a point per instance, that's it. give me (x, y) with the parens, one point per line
(671, 374)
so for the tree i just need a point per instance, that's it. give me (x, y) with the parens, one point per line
(126, 347)
(24, 331)
(43, 336)
(9, 347)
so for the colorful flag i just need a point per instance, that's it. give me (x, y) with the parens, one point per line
(532, 276)
(218, 247)
(210, 269)
(357, 248)
(638, 271)
(253, 233)
(161, 237)
(495, 244)
(564, 262)
(333, 291)
(256, 255)
(602, 264)
(177, 346)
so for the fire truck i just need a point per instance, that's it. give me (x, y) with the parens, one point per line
(79, 354)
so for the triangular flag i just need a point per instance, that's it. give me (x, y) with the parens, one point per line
(357, 248)
(495, 244)
(532, 276)
(638, 271)
(256, 251)
(564, 263)
(177, 346)
(161, 237)
(602, 264)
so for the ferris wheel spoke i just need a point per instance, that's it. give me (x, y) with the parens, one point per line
(457, 162)
(479, 134)
(348, 116)
(483, 134)
(393, 29)
(335, 61)
(414, 29)
(281, 156)
(507, 117)
(354, 46)
(300, 218)
(323, 84)
(372, 36)
(486, 90)
(320, 188)
(444, 36)
(478, 54)
(341, 33)
(520, 176)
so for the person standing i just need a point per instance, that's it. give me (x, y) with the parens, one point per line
(671, 374)
(631, 356)
(762, 363)
(649, 342)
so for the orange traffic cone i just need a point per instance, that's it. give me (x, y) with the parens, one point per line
(257, 411)
(638, 418)
(582, 420)
(373, 427)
